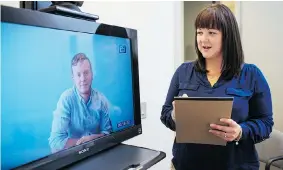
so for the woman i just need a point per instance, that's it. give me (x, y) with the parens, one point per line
(220, 71)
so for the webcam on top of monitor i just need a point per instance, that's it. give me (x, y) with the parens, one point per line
(69, 9)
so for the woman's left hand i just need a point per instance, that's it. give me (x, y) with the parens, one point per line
(229, 132)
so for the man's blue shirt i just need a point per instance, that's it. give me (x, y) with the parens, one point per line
(74, 118)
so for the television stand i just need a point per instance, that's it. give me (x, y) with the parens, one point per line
(120, 157)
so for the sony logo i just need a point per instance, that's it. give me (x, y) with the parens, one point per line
(84, 150)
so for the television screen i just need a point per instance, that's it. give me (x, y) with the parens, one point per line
(61, 89)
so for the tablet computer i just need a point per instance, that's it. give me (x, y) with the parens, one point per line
(195, 114)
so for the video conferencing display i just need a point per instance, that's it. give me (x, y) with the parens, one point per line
(61, 89)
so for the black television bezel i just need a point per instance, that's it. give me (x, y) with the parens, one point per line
(46, 20)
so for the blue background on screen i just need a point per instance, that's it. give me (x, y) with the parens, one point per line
(36, 69)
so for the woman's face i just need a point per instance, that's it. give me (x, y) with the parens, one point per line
(209, 42)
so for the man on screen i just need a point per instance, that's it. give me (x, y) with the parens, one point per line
(82, 113)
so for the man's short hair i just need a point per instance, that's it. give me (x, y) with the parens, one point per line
(80, 57)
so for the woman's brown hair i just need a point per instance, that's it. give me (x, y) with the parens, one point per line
(220, 17)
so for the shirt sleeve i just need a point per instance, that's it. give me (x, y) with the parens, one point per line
(260, 122)
(60, 124)
(105, 122)
(166, 116)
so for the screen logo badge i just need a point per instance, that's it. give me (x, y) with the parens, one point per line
(122, 49)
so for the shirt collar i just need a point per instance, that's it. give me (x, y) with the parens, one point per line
(80, 97)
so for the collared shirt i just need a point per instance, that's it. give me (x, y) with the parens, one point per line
(74, 118)
(252, 110)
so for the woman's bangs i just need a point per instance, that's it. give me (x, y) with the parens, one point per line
(208, 19)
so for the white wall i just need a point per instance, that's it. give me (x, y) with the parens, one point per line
(15, 4)
(262, 37)
(160, 49)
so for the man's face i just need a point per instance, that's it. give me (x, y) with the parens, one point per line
(82, 76)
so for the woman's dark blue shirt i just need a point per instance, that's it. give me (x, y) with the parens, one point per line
(252, 110)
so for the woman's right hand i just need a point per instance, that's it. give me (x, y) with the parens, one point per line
(173, 110)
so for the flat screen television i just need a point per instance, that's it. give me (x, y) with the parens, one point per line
(69, 88)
